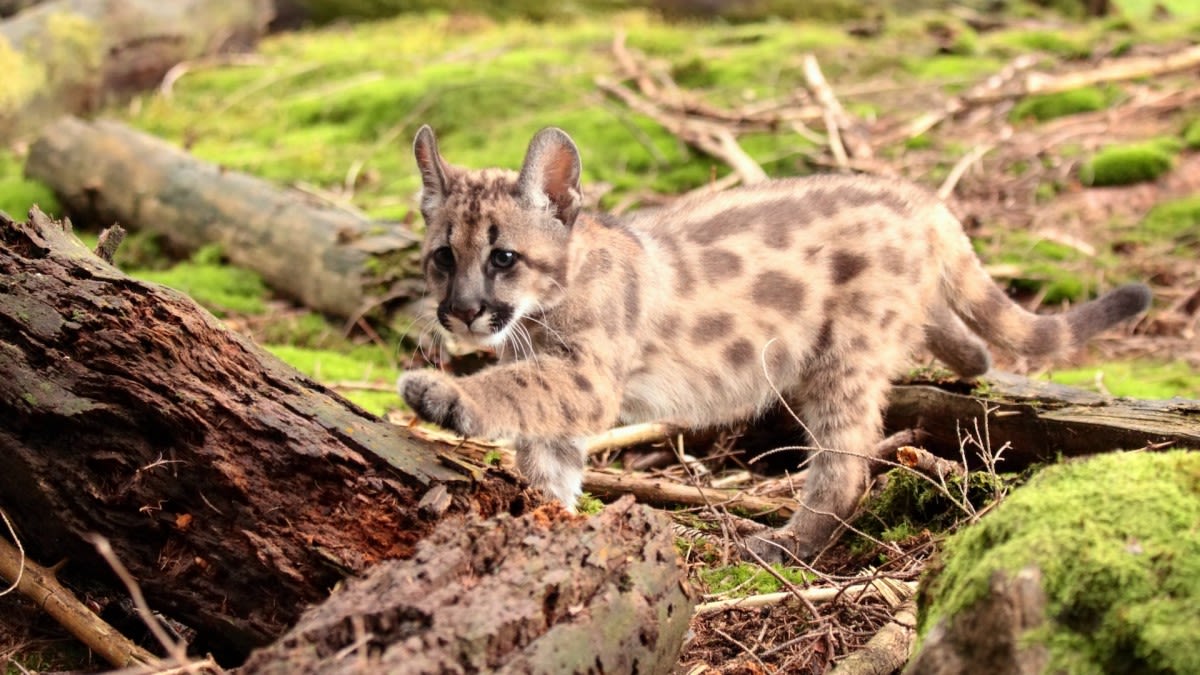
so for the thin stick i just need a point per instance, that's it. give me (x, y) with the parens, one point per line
(813, 595)
(177, 650)
(960, 169)
(634, 434)
(664, 492)
(39, 585)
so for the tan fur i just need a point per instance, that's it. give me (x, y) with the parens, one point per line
(706, 312)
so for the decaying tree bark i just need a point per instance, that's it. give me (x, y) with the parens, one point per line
(543, 593)
(326, 258)
(72, 55)
(234, 489)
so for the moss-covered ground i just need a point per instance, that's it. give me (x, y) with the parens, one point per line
(1115, 539)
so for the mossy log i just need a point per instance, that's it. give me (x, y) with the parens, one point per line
(1042, 421)
(235, 490)
(74, 55)
(543, 593)
(326, 258)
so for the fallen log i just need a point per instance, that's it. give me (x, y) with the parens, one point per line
(543, 593)
(74, 55)
(1040, 420)
(234, 489)
(329, 259)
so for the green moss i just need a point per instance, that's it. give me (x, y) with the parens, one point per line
(1191, 135)
(72, 48)
(744, 579)
(1059, 272)
(588, 505)
(18, 194)
(1135, 379)
(1043, 107)
(363, 364)
(1112, 537)
(221, 289)
(953, 67)
(1126, 164)
(1062, 43)
(1177, 221)
(910, 504)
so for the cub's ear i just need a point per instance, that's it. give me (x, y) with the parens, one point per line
(550, 175)
(433, 169)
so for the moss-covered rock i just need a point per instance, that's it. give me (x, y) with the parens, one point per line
(1115, 541)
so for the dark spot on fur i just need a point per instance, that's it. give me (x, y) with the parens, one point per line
(520, 381)
(711, 326)
(739, 353)
(719, 264)
(859, 343)
(824, 336)
(633, 302)
(846, 266)
(889, 317)
(778, 291)
(493, 233)
(893, 260)
(668, 326)
(568, 412)
(685, 281)
(582, 382)
(598, 263)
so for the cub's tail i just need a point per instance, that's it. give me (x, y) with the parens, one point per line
(989, 313)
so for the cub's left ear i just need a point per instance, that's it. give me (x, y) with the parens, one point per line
(550, 175)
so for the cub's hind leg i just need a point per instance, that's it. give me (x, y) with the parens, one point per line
(842, 410)
(554, 466)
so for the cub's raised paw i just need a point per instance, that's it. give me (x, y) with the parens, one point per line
(436, 398)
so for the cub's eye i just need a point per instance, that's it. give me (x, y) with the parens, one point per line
(443, 258)
(503, 258)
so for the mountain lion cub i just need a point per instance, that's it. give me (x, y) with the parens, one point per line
(705, 313)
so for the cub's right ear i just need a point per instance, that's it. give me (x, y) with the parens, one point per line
(433, 169)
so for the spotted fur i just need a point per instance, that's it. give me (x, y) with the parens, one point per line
(705, 312)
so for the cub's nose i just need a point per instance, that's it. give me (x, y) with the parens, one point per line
(466, 314)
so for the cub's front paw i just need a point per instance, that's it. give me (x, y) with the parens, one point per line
(436, 398)
(772, 546)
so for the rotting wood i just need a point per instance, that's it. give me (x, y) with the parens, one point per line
(234, 489)
(1040, 420)
(544, 593)
(75, 55)
(326, 258)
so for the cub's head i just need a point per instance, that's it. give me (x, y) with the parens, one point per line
(495, 246)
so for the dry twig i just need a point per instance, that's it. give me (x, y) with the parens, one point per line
(903, 589)
(40, 585)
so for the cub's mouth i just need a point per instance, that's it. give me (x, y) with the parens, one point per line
(484, 325)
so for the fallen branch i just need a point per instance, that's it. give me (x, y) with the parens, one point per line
(40, 585)
(888, 650)
(923, 461)
(1110, 71)
(886, 588)
(662, 492)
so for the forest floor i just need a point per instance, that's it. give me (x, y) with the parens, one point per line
(1064, 193)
